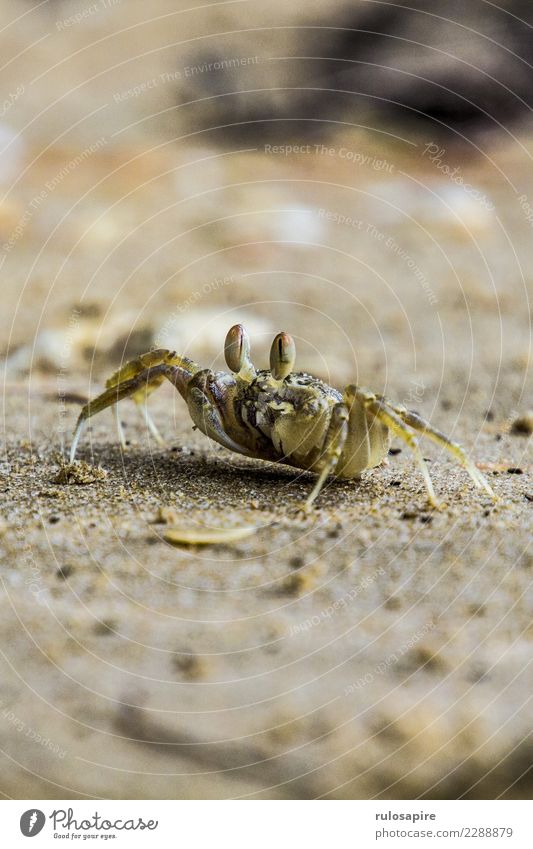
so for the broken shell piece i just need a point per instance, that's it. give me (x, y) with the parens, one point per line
(206, 535)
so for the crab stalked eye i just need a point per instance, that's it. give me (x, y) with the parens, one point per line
(282, 356)
(237, 348)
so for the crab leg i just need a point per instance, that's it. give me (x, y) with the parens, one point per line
(77, 434)
(422, 426)
(331, 449)
(399, 428)
(120, 429)
(136, 380)
(111, 396)
(148, 420)
(151, 425)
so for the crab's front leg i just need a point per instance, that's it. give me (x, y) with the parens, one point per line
(136, 379)
(131, 370)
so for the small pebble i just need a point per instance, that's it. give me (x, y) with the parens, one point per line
(476, 609)
(105, 628)
(296, 562)
(189, 665)
(294, 584)
(523, 424)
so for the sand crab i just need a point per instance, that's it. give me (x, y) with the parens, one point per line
(278, 415)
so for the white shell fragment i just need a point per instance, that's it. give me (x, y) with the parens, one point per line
(206, 535)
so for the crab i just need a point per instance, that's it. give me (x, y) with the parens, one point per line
(278, 415)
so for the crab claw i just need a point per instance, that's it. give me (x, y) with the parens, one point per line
(282, 356)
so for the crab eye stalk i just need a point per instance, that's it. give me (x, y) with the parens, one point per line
(237, 349)
(282, 356)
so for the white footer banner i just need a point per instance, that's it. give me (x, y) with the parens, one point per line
(266, 824)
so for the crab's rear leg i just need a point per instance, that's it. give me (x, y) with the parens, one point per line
(426, 428)
(136, 380)
(389, 417)
(333, 444)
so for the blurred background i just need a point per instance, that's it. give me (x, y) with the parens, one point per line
(145, 157)
(359, 175)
